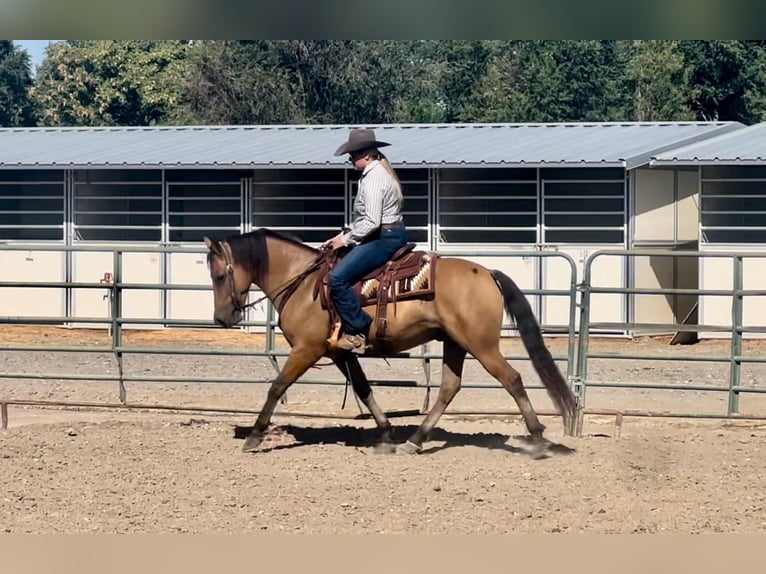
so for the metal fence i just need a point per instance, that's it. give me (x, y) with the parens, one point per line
(117, 287)
(578, 340)
(735, 358)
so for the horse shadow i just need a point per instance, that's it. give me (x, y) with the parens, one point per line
(360, 438)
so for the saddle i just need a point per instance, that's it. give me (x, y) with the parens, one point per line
(408, 274)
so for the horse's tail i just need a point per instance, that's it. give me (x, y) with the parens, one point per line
(517, 305)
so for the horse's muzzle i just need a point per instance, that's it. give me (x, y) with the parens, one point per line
(227, 318)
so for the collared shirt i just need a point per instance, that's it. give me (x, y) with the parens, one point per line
(377, 202)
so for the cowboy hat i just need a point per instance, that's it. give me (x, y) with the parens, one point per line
(359, 139)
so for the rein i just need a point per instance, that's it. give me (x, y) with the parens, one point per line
(288, 287)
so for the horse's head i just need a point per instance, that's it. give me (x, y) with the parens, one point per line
(231, 283)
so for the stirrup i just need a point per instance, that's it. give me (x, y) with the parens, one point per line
(347, 345)
(334, 336)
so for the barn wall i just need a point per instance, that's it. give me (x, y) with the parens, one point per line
(575, 211)
(32, 208)
(733, 203)
(665, 216)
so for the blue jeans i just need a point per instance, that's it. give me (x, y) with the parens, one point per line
(352, 267)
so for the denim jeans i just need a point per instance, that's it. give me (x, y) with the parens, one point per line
(352, 267)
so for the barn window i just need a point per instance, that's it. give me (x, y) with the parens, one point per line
(118, 205)
(733, 204)
(307, 203)
(583, 206)
(487, 206)
(203, 203)
(31, 205)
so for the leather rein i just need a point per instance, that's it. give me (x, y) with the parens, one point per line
(287, 288)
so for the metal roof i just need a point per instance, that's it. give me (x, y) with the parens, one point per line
(745, 146)
(461, 145)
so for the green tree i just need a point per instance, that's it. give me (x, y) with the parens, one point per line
(238, 82)
(361, 81)
(16, 108)
(110, 83)
(727, 79)
(548, 81)
(460, 71)
(307, 81)
(656, 81)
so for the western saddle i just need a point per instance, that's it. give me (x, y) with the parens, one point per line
(409, 274)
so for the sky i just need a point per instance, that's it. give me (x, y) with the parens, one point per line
(35, 49)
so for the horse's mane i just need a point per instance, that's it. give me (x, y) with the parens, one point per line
(250, 251)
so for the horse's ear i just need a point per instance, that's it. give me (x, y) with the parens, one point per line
(212, 244)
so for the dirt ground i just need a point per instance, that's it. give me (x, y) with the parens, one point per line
(98, 470)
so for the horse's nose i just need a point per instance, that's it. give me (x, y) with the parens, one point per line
(220, 322)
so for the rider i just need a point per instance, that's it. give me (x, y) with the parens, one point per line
(377, 231)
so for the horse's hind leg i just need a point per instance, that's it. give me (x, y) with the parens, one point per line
(350, 367)
(297, 363)
(452, 372)
(496, 365)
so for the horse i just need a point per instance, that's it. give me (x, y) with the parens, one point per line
(465, 312)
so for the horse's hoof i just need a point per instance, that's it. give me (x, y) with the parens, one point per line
(252, 442)
(385, 448)
(408, 448)
(541, 450)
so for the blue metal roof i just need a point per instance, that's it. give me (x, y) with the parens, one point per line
(745, 146)
(458, 145)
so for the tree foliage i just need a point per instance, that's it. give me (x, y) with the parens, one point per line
(236, 83)
(110, 83)
(301, 81)
(727, 79)
(656, 81)
(16, 108)
(364, 82)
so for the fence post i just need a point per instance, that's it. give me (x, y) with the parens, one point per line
(117, 320)
(271, 344)
(271, 337)
(579, 386)
(735, 365)
(426, 363)
(572, 378)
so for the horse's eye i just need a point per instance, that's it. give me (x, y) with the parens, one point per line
(220, 278)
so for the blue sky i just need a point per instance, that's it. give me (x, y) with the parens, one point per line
(35, 49)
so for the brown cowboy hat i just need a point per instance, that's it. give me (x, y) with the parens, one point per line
(359, 139)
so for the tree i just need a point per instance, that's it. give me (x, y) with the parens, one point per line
(656, 81)
(111, 83)
(548, 81)
(16, 107)
(307, 81)
(727, 79)
(360, 81)
(461, 70)
(237, 82)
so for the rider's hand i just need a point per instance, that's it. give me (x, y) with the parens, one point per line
(334, 243)
(337, 242)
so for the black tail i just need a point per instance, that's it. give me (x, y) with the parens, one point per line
(518, 307)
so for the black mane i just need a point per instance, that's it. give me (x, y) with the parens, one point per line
(250, 251)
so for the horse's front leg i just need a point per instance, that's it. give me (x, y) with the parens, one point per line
(297, 363)
(350, 367)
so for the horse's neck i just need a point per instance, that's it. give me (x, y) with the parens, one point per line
(285, 263)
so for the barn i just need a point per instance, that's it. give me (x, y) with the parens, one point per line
(731, 170)
(494, 189)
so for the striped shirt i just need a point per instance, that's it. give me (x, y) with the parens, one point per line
(376, 203)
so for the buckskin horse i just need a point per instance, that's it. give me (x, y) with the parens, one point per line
(422, 297)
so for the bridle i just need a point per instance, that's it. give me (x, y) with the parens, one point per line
(230, 280)
(287, 288)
